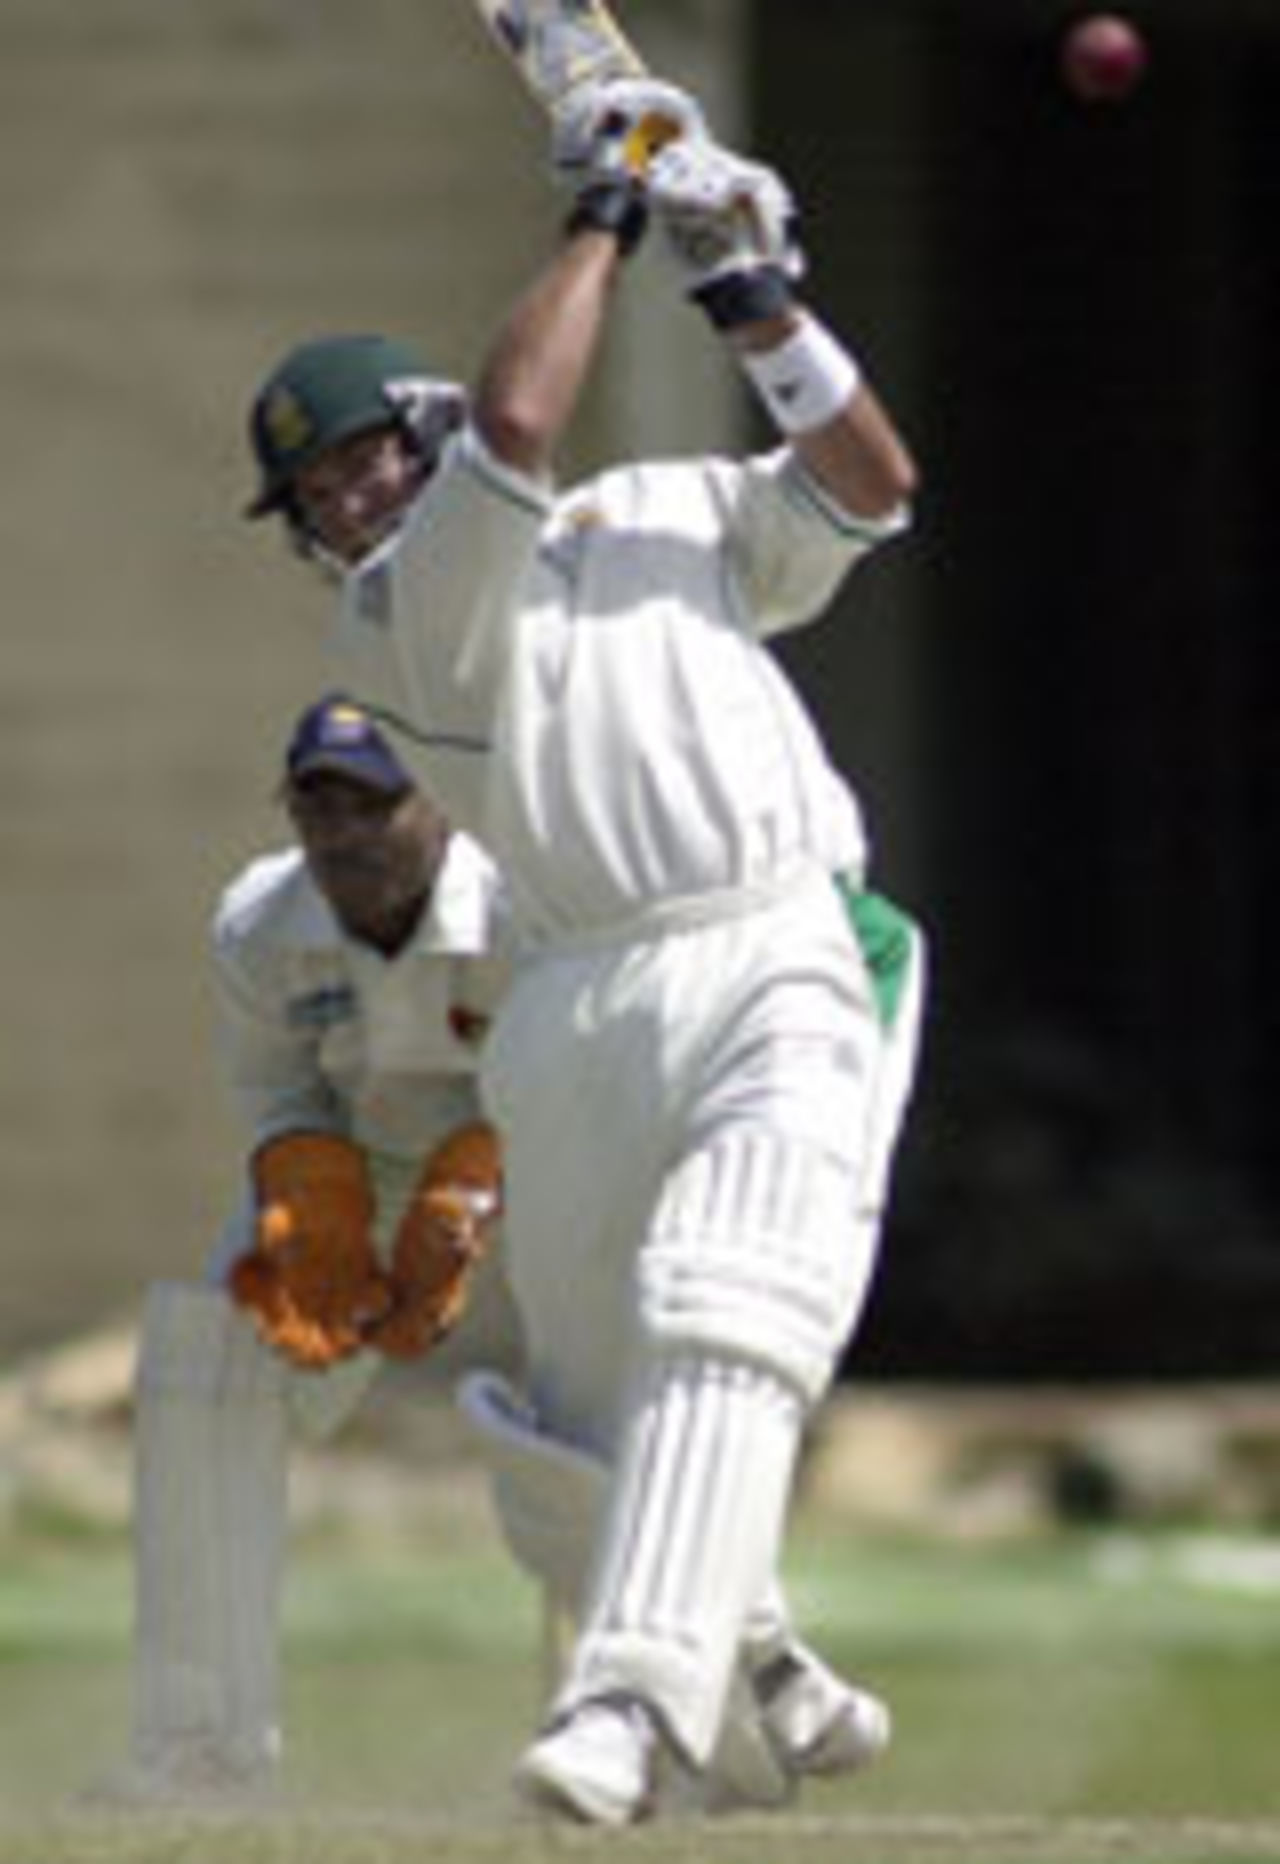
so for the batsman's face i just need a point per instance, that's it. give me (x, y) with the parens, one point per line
(374, 855)
(353, 494)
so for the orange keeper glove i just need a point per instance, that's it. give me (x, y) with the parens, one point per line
(311, 1284)
(446, 1229)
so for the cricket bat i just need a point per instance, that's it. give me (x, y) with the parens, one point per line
(561, 48)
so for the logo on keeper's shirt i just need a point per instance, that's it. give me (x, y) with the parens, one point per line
(321, 1009)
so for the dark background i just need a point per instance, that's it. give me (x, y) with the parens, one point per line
(1090, 1183)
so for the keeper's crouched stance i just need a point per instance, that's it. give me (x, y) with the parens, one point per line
(353, 973)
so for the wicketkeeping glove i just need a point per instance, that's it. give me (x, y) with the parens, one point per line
(445, 1231)
(311, 1284)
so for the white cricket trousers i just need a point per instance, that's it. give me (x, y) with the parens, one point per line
(698, 1127)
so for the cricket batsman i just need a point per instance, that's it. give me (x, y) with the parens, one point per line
(701, 1066)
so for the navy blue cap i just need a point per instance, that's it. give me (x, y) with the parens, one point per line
(336, 734)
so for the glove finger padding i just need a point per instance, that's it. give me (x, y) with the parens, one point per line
(445, 1232)
(721, 213)
(610, 132)
(311, 1284)
(281, 1324)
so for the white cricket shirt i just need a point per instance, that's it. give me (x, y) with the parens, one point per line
(321, 1033)
(586, 683)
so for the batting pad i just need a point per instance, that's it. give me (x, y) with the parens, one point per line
(210, 1477)
(757, 1253)
(550, 1499)
(689, 1542)
(549, 1496)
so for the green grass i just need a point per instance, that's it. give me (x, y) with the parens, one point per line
(1081, 1700)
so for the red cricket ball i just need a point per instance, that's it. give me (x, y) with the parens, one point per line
(1103, 57)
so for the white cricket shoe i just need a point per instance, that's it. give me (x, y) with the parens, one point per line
(596, 1765)
(816, 1723)
(744, 1774)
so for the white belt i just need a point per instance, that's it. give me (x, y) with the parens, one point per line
(687, 912)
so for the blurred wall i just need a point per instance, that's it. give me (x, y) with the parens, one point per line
(184, 191)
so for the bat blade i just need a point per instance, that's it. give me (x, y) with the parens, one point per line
(558, 46)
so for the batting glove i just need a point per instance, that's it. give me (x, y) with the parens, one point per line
(729, 225)
(610, 132)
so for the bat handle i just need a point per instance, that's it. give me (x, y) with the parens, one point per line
(645, 138)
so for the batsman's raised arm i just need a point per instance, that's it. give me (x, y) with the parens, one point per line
(531, 380)
(729, 225)
(856, 454)
(529, 385)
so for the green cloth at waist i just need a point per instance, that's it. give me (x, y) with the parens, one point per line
(887, 938)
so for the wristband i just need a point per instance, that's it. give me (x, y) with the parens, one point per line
(616, 207)
(747, 295)
(807, 380)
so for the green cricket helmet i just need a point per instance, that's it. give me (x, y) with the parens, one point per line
(326, 390)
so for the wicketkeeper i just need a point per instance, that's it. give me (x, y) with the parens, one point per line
(702, 1064)
(356, 975)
